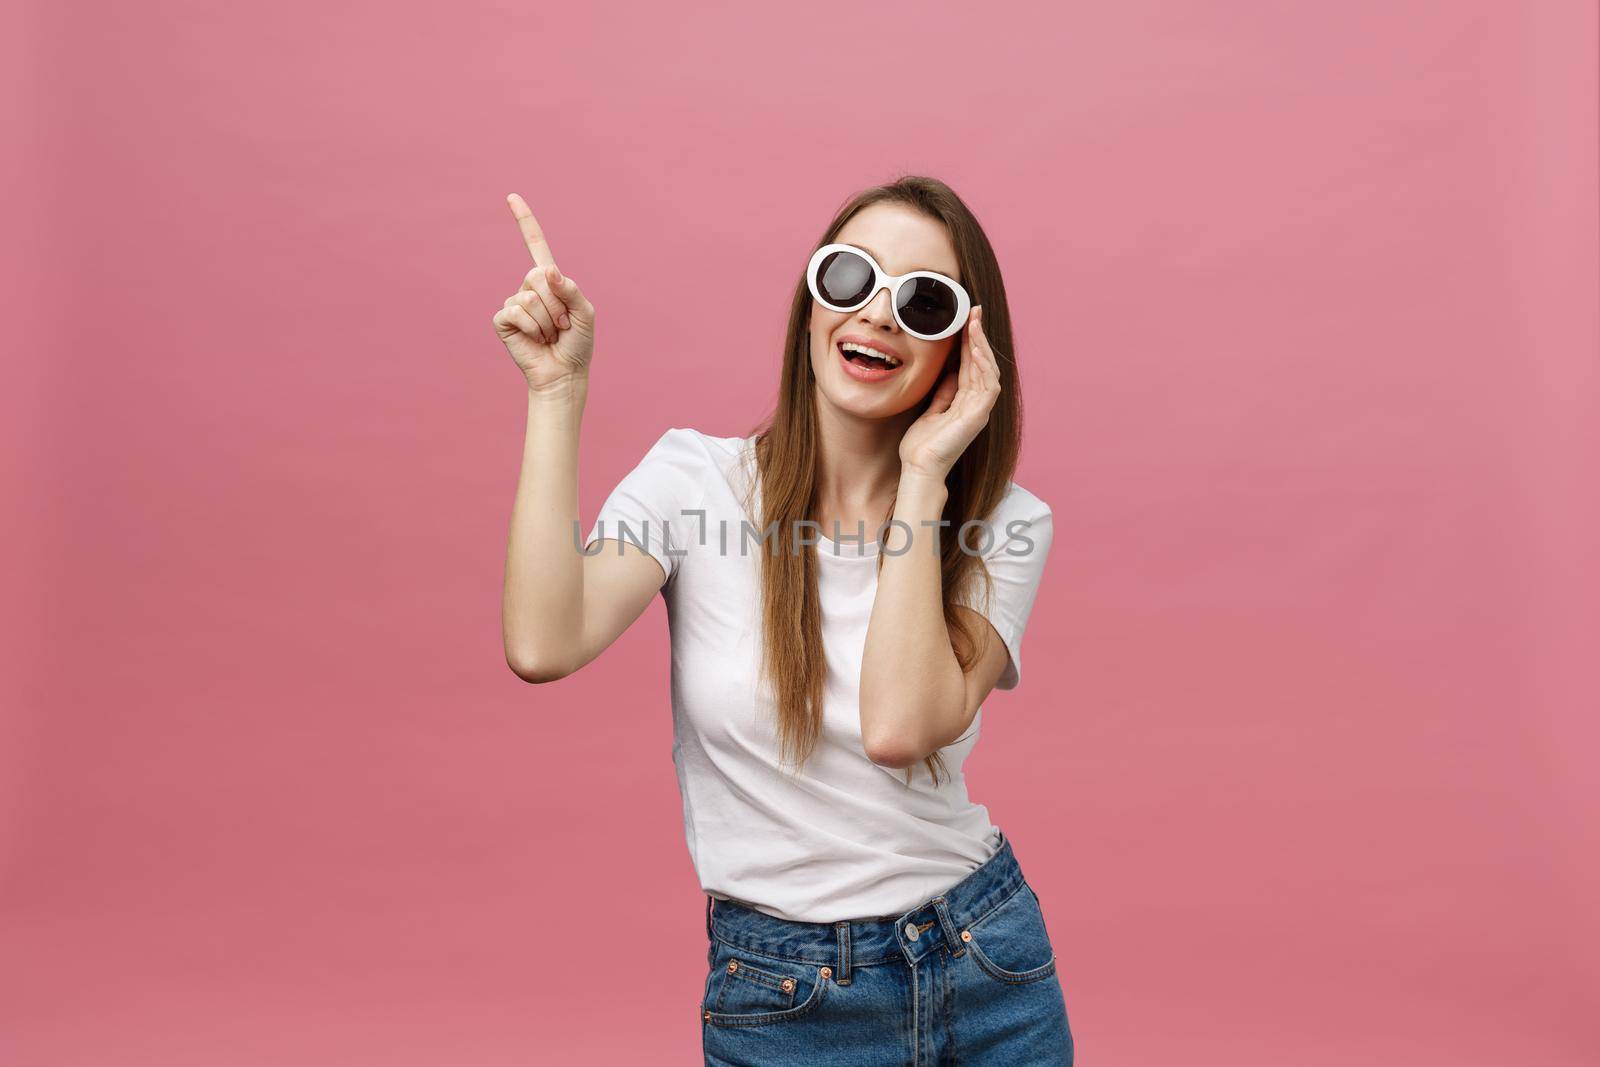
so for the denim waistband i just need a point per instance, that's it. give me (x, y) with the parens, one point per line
(848, 943)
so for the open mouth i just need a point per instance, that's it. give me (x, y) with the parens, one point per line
(866, 362)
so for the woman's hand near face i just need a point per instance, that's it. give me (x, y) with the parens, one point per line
(958, 410)
(548, 324)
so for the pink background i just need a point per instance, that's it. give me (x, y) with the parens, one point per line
(1303, 765)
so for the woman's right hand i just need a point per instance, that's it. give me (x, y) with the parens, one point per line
(548, 324)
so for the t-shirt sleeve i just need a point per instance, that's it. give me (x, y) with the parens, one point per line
(652, 506)
(1019, 534)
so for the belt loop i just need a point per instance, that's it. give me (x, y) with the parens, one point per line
(842, 928)
(708, 916)
(952, 936)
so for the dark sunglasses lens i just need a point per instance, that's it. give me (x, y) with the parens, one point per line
(844, 279)
(927, 305)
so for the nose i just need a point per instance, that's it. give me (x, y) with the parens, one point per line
(880, 309)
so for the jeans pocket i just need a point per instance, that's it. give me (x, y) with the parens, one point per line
(747, 988)
(1010, 942)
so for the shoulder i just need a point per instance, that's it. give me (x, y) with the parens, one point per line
(1019, 528)
(689, 439)
(1019, 503)
(693, 455)
(1018, 507)
(685, 445)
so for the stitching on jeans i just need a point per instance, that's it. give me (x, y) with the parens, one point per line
(949, 927)
(1044, 970)
(769, 979)
(980, 920)
(813, 961)
(1039, 973)
(742, 947)
(916, 1018)
(819, 991)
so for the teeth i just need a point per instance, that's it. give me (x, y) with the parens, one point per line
(887, 360)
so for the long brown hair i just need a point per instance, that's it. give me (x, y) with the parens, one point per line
(786, 456)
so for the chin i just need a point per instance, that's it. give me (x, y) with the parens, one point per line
(863, 405)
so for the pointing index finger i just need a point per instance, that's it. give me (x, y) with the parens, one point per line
(532, 235)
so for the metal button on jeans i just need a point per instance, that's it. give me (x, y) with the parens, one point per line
(911, 932)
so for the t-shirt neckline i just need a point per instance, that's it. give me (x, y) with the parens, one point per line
(851, 549)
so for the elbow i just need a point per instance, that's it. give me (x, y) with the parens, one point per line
(895, 757)
(903, 744)
(892, 752)
(533, 667)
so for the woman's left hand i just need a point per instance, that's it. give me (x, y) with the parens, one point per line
(959, 409)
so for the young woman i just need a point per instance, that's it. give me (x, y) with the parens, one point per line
(844, 586)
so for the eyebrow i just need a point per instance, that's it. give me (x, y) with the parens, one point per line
(879, 258)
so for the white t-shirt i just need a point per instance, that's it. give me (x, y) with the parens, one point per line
(845, 838)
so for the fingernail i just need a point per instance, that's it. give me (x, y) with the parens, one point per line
(564, 321)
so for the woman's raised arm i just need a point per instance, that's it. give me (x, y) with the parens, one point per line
(561, 609)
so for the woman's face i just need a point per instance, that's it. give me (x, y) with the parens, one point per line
(901, 240)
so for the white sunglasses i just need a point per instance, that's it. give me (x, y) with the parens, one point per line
(926, 304)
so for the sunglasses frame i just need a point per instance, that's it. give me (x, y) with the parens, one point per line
(882, 278)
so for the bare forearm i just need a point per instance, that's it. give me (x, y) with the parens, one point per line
(542, 609)
(912, 686)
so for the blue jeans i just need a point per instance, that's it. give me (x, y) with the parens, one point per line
(967, 977)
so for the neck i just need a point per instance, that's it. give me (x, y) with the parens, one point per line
(858, 466)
